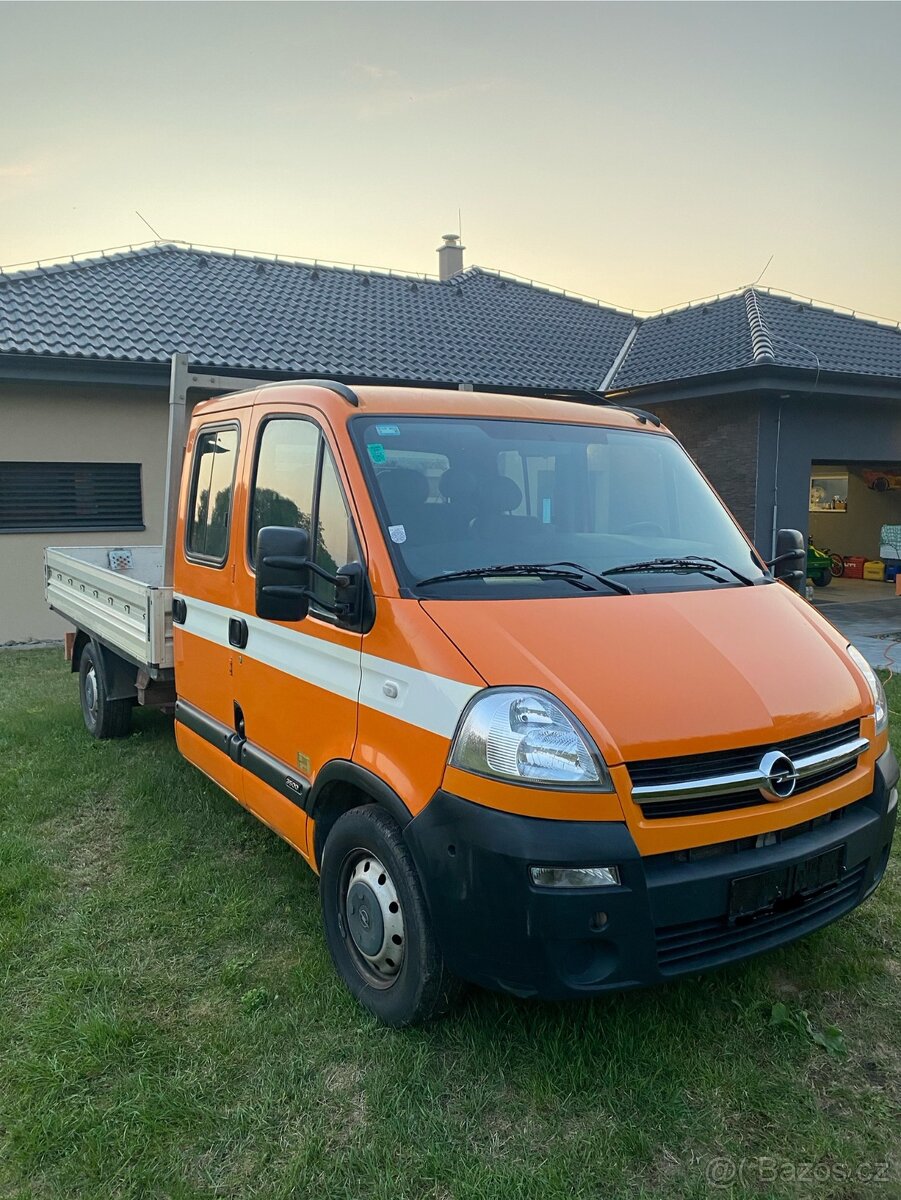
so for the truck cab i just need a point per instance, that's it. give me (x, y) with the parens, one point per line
(510, 678)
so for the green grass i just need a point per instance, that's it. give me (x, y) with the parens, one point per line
(170, 1025)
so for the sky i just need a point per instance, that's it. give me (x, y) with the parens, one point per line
(645, 154)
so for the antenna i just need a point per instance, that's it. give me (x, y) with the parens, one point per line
(158, 236)
(460, 223)
(764, 271)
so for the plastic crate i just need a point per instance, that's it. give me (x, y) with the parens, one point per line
(874, 569)
(854, 566)
(891, 570)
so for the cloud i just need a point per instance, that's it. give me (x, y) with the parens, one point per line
(16, 170)
(382, 92)
(369, 71)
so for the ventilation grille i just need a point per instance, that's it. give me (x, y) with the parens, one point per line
(708, 943)
(700, 767)
(60, 496)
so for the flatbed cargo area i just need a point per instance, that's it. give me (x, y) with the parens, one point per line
(116, 594)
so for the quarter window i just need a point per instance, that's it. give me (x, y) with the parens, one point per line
(215, 459)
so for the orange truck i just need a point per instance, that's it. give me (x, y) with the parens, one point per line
(508, 676)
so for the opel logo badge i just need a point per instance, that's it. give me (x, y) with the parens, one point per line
(780, 775)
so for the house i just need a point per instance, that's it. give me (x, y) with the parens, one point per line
(762, 388)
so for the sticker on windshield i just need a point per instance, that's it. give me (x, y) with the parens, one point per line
(397, 533)
(377, 452)
(388, 430)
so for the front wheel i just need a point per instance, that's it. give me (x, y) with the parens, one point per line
(376, 924)
(837, 569)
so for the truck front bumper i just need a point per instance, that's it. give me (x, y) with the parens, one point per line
(668, 916)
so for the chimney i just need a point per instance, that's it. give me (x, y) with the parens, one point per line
(450, 256)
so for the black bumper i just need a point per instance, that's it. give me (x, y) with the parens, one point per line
(666, 918)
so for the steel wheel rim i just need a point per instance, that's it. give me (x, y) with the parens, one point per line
(90, 693)
(372, 918)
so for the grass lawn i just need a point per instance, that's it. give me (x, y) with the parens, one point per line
(170, 1024)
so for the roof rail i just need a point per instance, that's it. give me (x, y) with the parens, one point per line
(340, 389)
(581, 396)
(642, 414)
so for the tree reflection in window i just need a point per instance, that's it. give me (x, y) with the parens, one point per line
(283, 496)
(214, 474)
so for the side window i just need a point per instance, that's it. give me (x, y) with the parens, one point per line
(335, 542)
(212, 484)
(285, 476)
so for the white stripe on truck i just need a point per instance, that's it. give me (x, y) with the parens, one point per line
(428, 701)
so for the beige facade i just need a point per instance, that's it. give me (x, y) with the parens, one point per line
(66, 423)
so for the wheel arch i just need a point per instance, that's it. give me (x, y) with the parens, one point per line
(342, 785)
(81, 640)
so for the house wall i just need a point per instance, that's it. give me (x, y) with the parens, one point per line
(825, 429)
(62, 423)
(721, 433)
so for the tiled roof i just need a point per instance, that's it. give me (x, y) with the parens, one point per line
(239, 312)
(695, 341)
(757, 328)
(804, 335)
(232, 311)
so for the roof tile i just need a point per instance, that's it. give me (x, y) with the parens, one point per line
(234, 311)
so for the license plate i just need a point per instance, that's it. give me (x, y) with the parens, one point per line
(753, 894)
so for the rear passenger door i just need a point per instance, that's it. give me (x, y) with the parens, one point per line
(298, 682)
(203, 591)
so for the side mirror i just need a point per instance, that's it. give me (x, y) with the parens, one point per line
(283, 573)
(790, 563)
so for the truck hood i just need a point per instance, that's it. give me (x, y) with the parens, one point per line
(668, 673)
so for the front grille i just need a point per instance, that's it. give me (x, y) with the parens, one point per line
(661, 772)
(775, 837)
(710, 942)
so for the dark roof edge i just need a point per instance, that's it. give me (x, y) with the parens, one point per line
(33, 368)
(762, 377)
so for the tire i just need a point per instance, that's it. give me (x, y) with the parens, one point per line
(837, 569)
(822, 578)
(103, 718)
(377, 927)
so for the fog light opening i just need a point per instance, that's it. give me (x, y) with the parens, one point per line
(574, 877)
(598, 922)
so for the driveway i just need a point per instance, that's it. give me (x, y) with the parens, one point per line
(868, 614)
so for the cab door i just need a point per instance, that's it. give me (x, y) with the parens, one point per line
(203, 595)
(298, 682)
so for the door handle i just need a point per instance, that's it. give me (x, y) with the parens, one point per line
(179, 611)
(237, 632)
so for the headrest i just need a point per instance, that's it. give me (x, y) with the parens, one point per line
(403, 489)
(458, 485)
(500, 493)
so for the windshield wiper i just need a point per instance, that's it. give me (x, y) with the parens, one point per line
(688, 562)
(575, 576)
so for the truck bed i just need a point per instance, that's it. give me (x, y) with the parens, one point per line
(115, 594)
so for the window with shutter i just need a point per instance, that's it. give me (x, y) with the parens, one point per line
(56, 497)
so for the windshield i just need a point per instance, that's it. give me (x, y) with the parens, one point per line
(463, 496)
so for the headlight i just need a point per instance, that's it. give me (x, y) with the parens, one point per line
(525, 736)
(877, 691)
